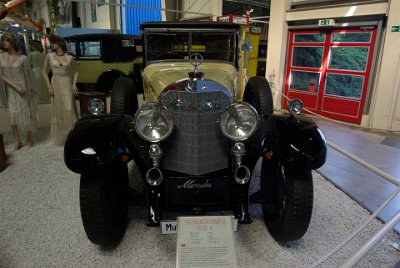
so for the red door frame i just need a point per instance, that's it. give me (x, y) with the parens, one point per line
(336, 107)
(310, 99)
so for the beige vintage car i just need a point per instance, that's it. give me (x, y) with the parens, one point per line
(101, 58)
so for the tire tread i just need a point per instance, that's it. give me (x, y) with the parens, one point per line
(101, 225)
(258, 87)
(124, 97)
(296, 216)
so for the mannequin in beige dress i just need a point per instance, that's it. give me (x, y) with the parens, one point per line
(21, 94)
(62, 89)
(36, 58)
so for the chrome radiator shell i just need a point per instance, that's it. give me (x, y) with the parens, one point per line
(197, 145)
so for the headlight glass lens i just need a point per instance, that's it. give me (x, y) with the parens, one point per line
(153, 122)
(96, 106)
(295, 106)
(239, 121)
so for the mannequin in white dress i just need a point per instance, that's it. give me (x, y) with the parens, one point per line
(62, 89)
(21, 95)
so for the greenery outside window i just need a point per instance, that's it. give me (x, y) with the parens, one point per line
(349, 86)
(310, 38)
(307, 57)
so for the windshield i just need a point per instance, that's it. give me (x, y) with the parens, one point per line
(178, 45)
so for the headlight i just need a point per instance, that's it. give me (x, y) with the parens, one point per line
(96, 106)
(295, 106)
(153, 122)
(239, 121)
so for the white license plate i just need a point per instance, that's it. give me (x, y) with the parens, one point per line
(170, 227)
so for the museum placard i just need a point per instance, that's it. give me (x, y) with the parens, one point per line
(205, 242)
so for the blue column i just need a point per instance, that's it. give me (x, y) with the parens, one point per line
(135, 16)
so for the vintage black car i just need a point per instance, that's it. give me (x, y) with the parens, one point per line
(196, 140)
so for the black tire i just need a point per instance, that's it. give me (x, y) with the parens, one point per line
(104, 208)
(123, 97)
(258, 93)
(288, 209)
(106, 81)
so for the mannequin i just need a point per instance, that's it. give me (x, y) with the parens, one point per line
(36, 59)
(61, 89)
(21, 94)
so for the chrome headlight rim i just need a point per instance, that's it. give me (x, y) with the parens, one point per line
(96, 106)
(153, 106)
(295, 106)
(251, 132)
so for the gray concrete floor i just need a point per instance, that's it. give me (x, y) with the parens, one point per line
(381, 149)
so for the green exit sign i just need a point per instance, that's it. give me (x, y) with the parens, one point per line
(326, 22)
(396, 28)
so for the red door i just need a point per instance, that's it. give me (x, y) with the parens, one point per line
(329, 71)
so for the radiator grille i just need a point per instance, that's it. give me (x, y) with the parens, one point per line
(196, 145)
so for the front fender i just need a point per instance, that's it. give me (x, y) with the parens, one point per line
(90, 144)
(298, 141)
(254, 145)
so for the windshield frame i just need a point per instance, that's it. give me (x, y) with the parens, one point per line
(190, 32)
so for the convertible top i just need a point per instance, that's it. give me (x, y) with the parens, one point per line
(190, 25)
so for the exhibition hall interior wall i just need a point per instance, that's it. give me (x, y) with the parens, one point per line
(99, 16)
(383, 112)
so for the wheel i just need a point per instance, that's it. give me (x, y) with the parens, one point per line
(104, 208)
(258, 93)
(123, 97)
(289, 202)
(106, 81)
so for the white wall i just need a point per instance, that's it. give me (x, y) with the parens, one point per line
(203, 8)
(102, 17)
(337, 12)
(40, 10)
(39, 7)
(277, 43)
(385, 112)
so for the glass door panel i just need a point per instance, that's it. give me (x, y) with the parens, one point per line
(348, 58)
(348, 86)
(310, 57)
(304, 81)
(310, 38)
(352, 37)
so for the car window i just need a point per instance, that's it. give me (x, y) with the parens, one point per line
(71, 47)
(167, 45)
(179, 45)
(128, 43)
(127, 49)
(90, 49)
(214, 46)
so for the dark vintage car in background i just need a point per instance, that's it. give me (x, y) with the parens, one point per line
(101, 58)
(195, 141)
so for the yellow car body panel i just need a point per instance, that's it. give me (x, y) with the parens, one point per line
(90, 69)
(157, 76)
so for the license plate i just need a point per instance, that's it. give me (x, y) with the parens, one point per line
(170, 227)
